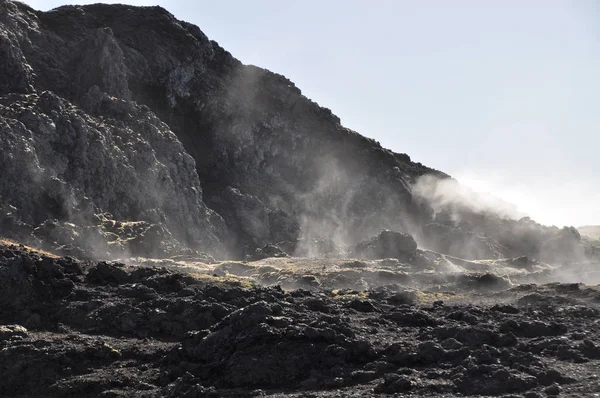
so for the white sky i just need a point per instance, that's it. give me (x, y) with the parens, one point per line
(502, 95)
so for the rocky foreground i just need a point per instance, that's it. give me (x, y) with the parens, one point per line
(84, 329)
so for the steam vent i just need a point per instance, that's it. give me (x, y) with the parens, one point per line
(174, 223)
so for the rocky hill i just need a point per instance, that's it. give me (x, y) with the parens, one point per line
(174, 223)
(126, 132)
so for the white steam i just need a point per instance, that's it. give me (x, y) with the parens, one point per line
(450, 197)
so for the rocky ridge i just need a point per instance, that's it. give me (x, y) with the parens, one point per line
(127, 112)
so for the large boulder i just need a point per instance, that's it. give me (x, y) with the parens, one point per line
(388, 244)
(290, 352)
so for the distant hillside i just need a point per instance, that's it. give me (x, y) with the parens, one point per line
(590, 231)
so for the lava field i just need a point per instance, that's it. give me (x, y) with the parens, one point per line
(87, 329)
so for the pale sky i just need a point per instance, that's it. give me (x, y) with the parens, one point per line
(502, 95)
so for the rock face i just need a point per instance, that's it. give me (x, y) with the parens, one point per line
(83, 91)
(126, 111)
(97, 153)
(61, 163)
(253, 223)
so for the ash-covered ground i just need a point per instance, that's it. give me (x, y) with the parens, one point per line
(429, 325)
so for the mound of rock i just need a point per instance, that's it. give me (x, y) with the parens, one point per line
(266, 251)
(265, 345)
(388, 244)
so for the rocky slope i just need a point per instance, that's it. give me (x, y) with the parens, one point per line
(79, 160)
(125, 133)
(124, 130)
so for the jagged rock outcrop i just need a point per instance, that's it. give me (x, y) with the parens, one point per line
(100, 63)
(61, 163)
(16, 76)
(248, 129)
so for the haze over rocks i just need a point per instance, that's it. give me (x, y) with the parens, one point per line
(210, 231)
(127, 112)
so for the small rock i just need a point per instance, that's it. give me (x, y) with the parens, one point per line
(553, 390)
(12, 332)
(362, 305)
(394, 383)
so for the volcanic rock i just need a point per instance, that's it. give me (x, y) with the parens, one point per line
(388, 244)
(128, 111)
(127, 134)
